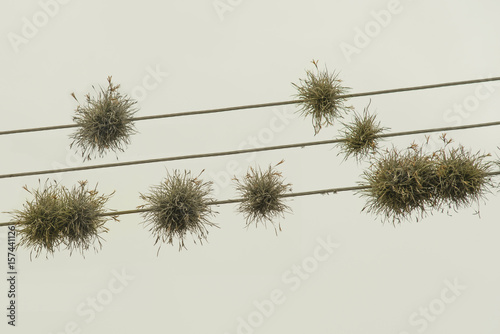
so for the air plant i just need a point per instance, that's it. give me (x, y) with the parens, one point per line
(463, 177)
(59, 216)
(321, 97)
(361, 136)
(86, 217)
(104, 122)
(262, 195)
(400, 184)
(179, 205)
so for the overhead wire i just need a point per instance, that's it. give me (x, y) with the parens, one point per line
(234, 152)
(238, 200)
(260, 105)
(259, 149)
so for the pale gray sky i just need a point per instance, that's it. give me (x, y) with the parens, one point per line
(439, 275)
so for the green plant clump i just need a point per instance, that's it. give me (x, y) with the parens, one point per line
(178, 205)
(463, 177)
(361, 136)
(262, 195)
(104, 123)
(400, 184)
(320, 95)
(60, 216)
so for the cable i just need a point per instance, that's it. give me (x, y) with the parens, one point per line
(227, 153)
(261, 105)
(238, 200)
(231, 201)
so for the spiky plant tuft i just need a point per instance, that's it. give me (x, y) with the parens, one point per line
(320, 97)
(178, 205)
(104, 122)
(361, 136)
(400, 184)
(463, 177)
(85, 210)
(262, 195)
(60, 216)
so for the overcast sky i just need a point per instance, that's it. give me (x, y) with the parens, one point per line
(333, 269)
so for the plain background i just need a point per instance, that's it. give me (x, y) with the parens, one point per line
(379, 277)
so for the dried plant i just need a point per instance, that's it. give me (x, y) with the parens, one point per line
(60, 216)
(321, 98)
(104, 122)
(180, 204)
(361, 136)
(262, 195)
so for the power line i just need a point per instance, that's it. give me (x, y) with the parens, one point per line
(261, 105)
(238, 200)
(234, 152)
(232, 201)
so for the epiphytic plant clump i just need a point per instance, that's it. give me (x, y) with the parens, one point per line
(463, 177)
(178, 205)
(262, 195)
(60, 216)
(400, 184)
(85, 210)
(361, 136)
(104, 122)
(320, 95)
